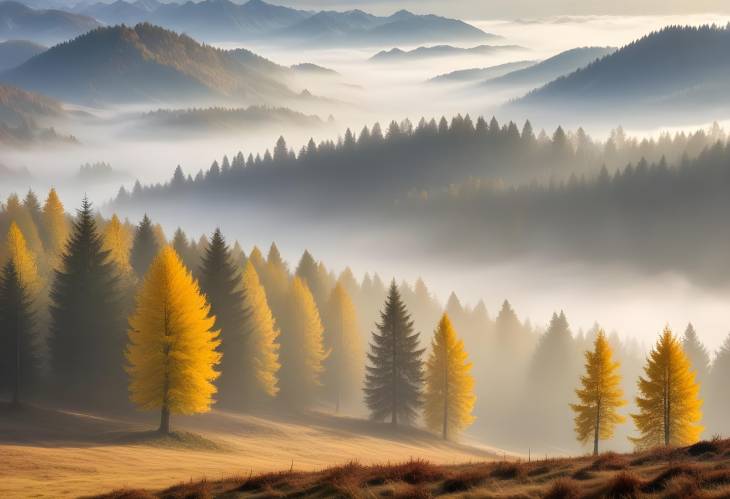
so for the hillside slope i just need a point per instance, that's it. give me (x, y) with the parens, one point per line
(76, 454)
(15, 52)
(398, 55)
(699, 471)
(141, 64)
(677, 68)
(17, 21)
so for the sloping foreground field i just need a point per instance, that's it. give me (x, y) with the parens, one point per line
(700, 471)
(49, 453)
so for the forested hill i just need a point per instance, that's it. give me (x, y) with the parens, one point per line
(18, 21)
(677, 68)
(144, 63)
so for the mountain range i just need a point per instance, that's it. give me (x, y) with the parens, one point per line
(481, 74)
(399, 55)
(15, 52)
(17, 21)
(147, 64)
(677, 69)
(223, 20)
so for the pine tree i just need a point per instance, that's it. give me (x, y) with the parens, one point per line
(309, 271)
(696, 352)
(262, 366)
(220, 282)
(717, 399)
(55, 227)
(394, 374)
(600, 395)
(144, 247)
(87, 318)
(19, 214)
(344, 366)
(19, 355)
(669, 403)
(118, 242)
(302, 353)
(23, 260)
(171, 351)
(449, 397)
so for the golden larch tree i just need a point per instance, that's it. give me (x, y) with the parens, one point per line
(55, 226)
(600, 395)
(346, 362)
(261, 339)
(302, 351)
(669, 402)
(118, 242)
(449, 397)
(23, 260)
(171, 351)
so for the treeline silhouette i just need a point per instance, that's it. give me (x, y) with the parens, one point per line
(69, 285)
(376, 166)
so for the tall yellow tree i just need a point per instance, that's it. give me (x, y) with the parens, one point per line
(669, 402)
(600, 395)
(449, 397)
(55, 226)
(171, 351)
(261, 337)
(345, 365)
(118, 242)
(302, 351)
(23, 260)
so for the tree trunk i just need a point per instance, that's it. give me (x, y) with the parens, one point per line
(16, 388)
(394, 417)
(597, 430)
(165, 420)
(667, 408)
(446, 395)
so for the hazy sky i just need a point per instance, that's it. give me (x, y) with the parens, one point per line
(480, 9)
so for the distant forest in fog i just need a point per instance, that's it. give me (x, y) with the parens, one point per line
(515, 193)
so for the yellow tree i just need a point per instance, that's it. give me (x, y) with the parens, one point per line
(449, 398)
(171, 351)
(118, 242)
(55, 226)
(669, 402)
(23, 260)
(600, 395)
(345, 364)
(263, 360)
(302, 352)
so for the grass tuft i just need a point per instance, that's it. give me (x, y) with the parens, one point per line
(563, 488)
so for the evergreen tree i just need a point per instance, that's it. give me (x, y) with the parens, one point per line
(220, 282)
(19, 355)
(697, 353)
(87, 318)
(344, 366)
(394, 374)
(262, 366)
(717, 392)
(184, 249)
(19, 214)
(24, 262)
(669, 402)
(171, 352)
(118, 242)
(302, 353)
(600, 395)
(309, 271)
(144, 247)
(449, 397)
(55, 227)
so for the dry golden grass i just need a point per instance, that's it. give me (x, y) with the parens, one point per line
(60, 454)
(698, 472)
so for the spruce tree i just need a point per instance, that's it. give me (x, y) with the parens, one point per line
(718, 402)
(696, 352)
(394, 375)
(144, 247)
(19, 349)
(55, 227)
(309, 271)
(220, 282)
(87, 318)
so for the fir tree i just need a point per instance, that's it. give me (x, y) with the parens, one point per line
(262, 366)
(19, 356)
(171, 352)
(23, 260)
(669, 402)
(449, 397)
(144, 247)
(344, 366)
(696, 352)
(302, 352)
(55, 227)
(309, 271)
(220, 282)
(394, 374)
(717, 391)
(600, 395)
(118, 242)
(87, 318)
